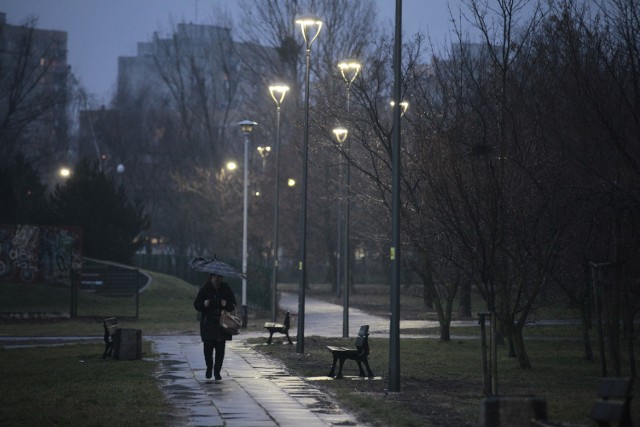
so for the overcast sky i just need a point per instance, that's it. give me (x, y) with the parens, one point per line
(99, 31)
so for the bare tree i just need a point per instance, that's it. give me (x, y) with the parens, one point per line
(592, 52)
(33, 92)
(489, 198)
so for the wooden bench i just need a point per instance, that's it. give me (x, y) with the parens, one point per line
(611, 407)
(360, 354)
(110, 326)
(281, 328)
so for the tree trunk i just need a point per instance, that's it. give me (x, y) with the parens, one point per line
(521, 352)
(445, 331)
(584, 316)
(512, 347)
(464, 308)
(427, 282)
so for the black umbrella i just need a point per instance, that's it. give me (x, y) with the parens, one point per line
(214, 266)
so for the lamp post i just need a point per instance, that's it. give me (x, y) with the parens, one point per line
(278, 93)
(394, 250)
(310, 26)
(264, 152)
(246, 126)
(404, 105)
(349, 70)
(342, 135)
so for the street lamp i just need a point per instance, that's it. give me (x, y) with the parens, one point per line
(264, 152)
(278, 93)
(349, 70)
(310, 26)
(246, 126)
(64, 172)
(342, 135)
(404, 105)
(394, 250)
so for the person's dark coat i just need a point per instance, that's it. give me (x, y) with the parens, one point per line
(210, 329)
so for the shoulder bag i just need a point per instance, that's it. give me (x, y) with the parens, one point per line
(229, 322)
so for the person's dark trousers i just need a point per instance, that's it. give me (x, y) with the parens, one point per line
(209, 347)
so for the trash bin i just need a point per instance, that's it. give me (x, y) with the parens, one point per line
(128, 344)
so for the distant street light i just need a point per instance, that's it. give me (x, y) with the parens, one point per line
(246, 126)
(310, 26)
(349, 69)
(231, 166)
(341, 134)
(264, 152)
(278, 93)
(64, 172)
(404, 105)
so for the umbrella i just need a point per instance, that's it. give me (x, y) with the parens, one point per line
(214, 266)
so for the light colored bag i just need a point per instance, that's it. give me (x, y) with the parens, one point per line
(229, 322)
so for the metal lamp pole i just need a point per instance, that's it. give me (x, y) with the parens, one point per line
(394, 305)
(277, 93)
(349, 70)
(246, 126)
(342, 135)
(310, 26)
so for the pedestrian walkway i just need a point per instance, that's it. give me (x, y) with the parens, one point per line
(325, 319)
(255, 390)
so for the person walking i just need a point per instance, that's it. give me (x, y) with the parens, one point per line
(212, 297)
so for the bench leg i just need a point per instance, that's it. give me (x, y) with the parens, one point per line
(369, 371)
(108, 349)
(270, 336)
(342, 359)
(361, 373)
(332, 372)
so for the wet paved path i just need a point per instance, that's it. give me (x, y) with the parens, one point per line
(255, 390)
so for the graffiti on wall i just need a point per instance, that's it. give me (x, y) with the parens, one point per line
(45, 254)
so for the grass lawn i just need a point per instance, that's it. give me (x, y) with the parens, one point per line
(441, 382)
(72, 385)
